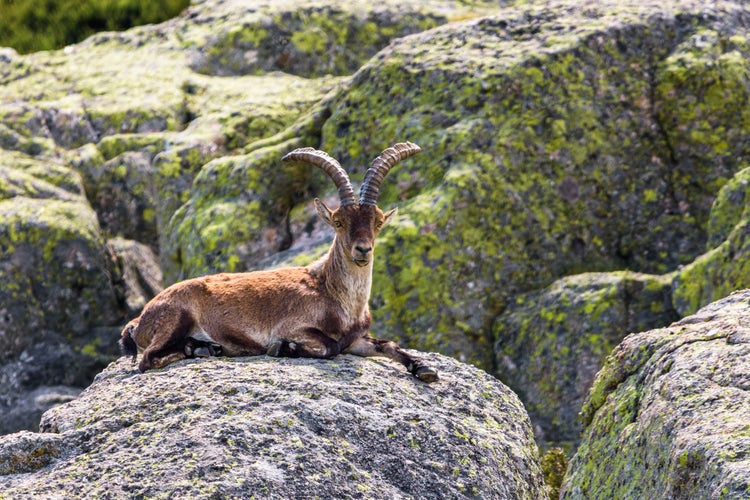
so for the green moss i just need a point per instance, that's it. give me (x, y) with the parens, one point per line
(115, 145)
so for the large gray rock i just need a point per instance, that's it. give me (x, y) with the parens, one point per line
(669, 413)
(280, 428)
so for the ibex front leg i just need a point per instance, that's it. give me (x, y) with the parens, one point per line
(370, 346)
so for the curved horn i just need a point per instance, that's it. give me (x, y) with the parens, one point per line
(328, 165)
(368, 193)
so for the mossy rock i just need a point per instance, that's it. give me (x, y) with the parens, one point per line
(716, 273)
(119, 181)
(729, 208)
(10, 140)
(725, 266)
(55, 269)
(544, 157)
(667, 414)
(140, 272)
(58, 300)
(236, 198)
(555, 149)
(249, 195)
(134, 95)
(702, 102)
(551, 343)
(41, 177)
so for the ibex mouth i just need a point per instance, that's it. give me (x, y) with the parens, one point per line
(361, 262)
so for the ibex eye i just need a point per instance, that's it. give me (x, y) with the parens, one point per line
(338, 224)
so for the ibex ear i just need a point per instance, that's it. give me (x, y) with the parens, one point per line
(324, 212)
(388, 216)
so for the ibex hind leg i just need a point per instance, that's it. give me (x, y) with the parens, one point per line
(310, 343)
(168, 330)
(370, 346)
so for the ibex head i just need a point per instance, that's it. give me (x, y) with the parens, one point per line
(356, 224)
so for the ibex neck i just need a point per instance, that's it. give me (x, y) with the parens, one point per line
(346, 281)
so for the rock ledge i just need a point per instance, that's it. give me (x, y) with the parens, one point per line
(280, 428)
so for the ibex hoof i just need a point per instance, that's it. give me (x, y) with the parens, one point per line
(282, 348)
(276, 349)
(200, 349)
(206, 351)
(426, 374)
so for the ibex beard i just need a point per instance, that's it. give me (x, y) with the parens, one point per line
(317, 311)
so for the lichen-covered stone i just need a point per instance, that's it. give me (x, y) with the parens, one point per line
(552, 343)
(563, 142)
(281, 428)
(314, 38)
(729, 208)
(121, 190)
(243, 219)
(667, 415)
(134, 96)
(56, 302)
(545, 156)
(28, 452)
(559, 138)
(57, 297)
(55, 271)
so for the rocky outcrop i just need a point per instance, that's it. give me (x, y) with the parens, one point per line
(55, 286)
(280, 428)
(99, 146)
(725, 266)
(556, 149)
(667, 416)
(558, 146)
(560, 139)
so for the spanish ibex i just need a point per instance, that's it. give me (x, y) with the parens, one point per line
(316, 311)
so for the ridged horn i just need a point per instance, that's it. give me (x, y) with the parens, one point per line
(368, 193)
(328, 165)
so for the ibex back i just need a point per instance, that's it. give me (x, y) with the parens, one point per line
(317, 311)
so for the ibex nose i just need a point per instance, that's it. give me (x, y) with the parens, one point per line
(363, 249)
